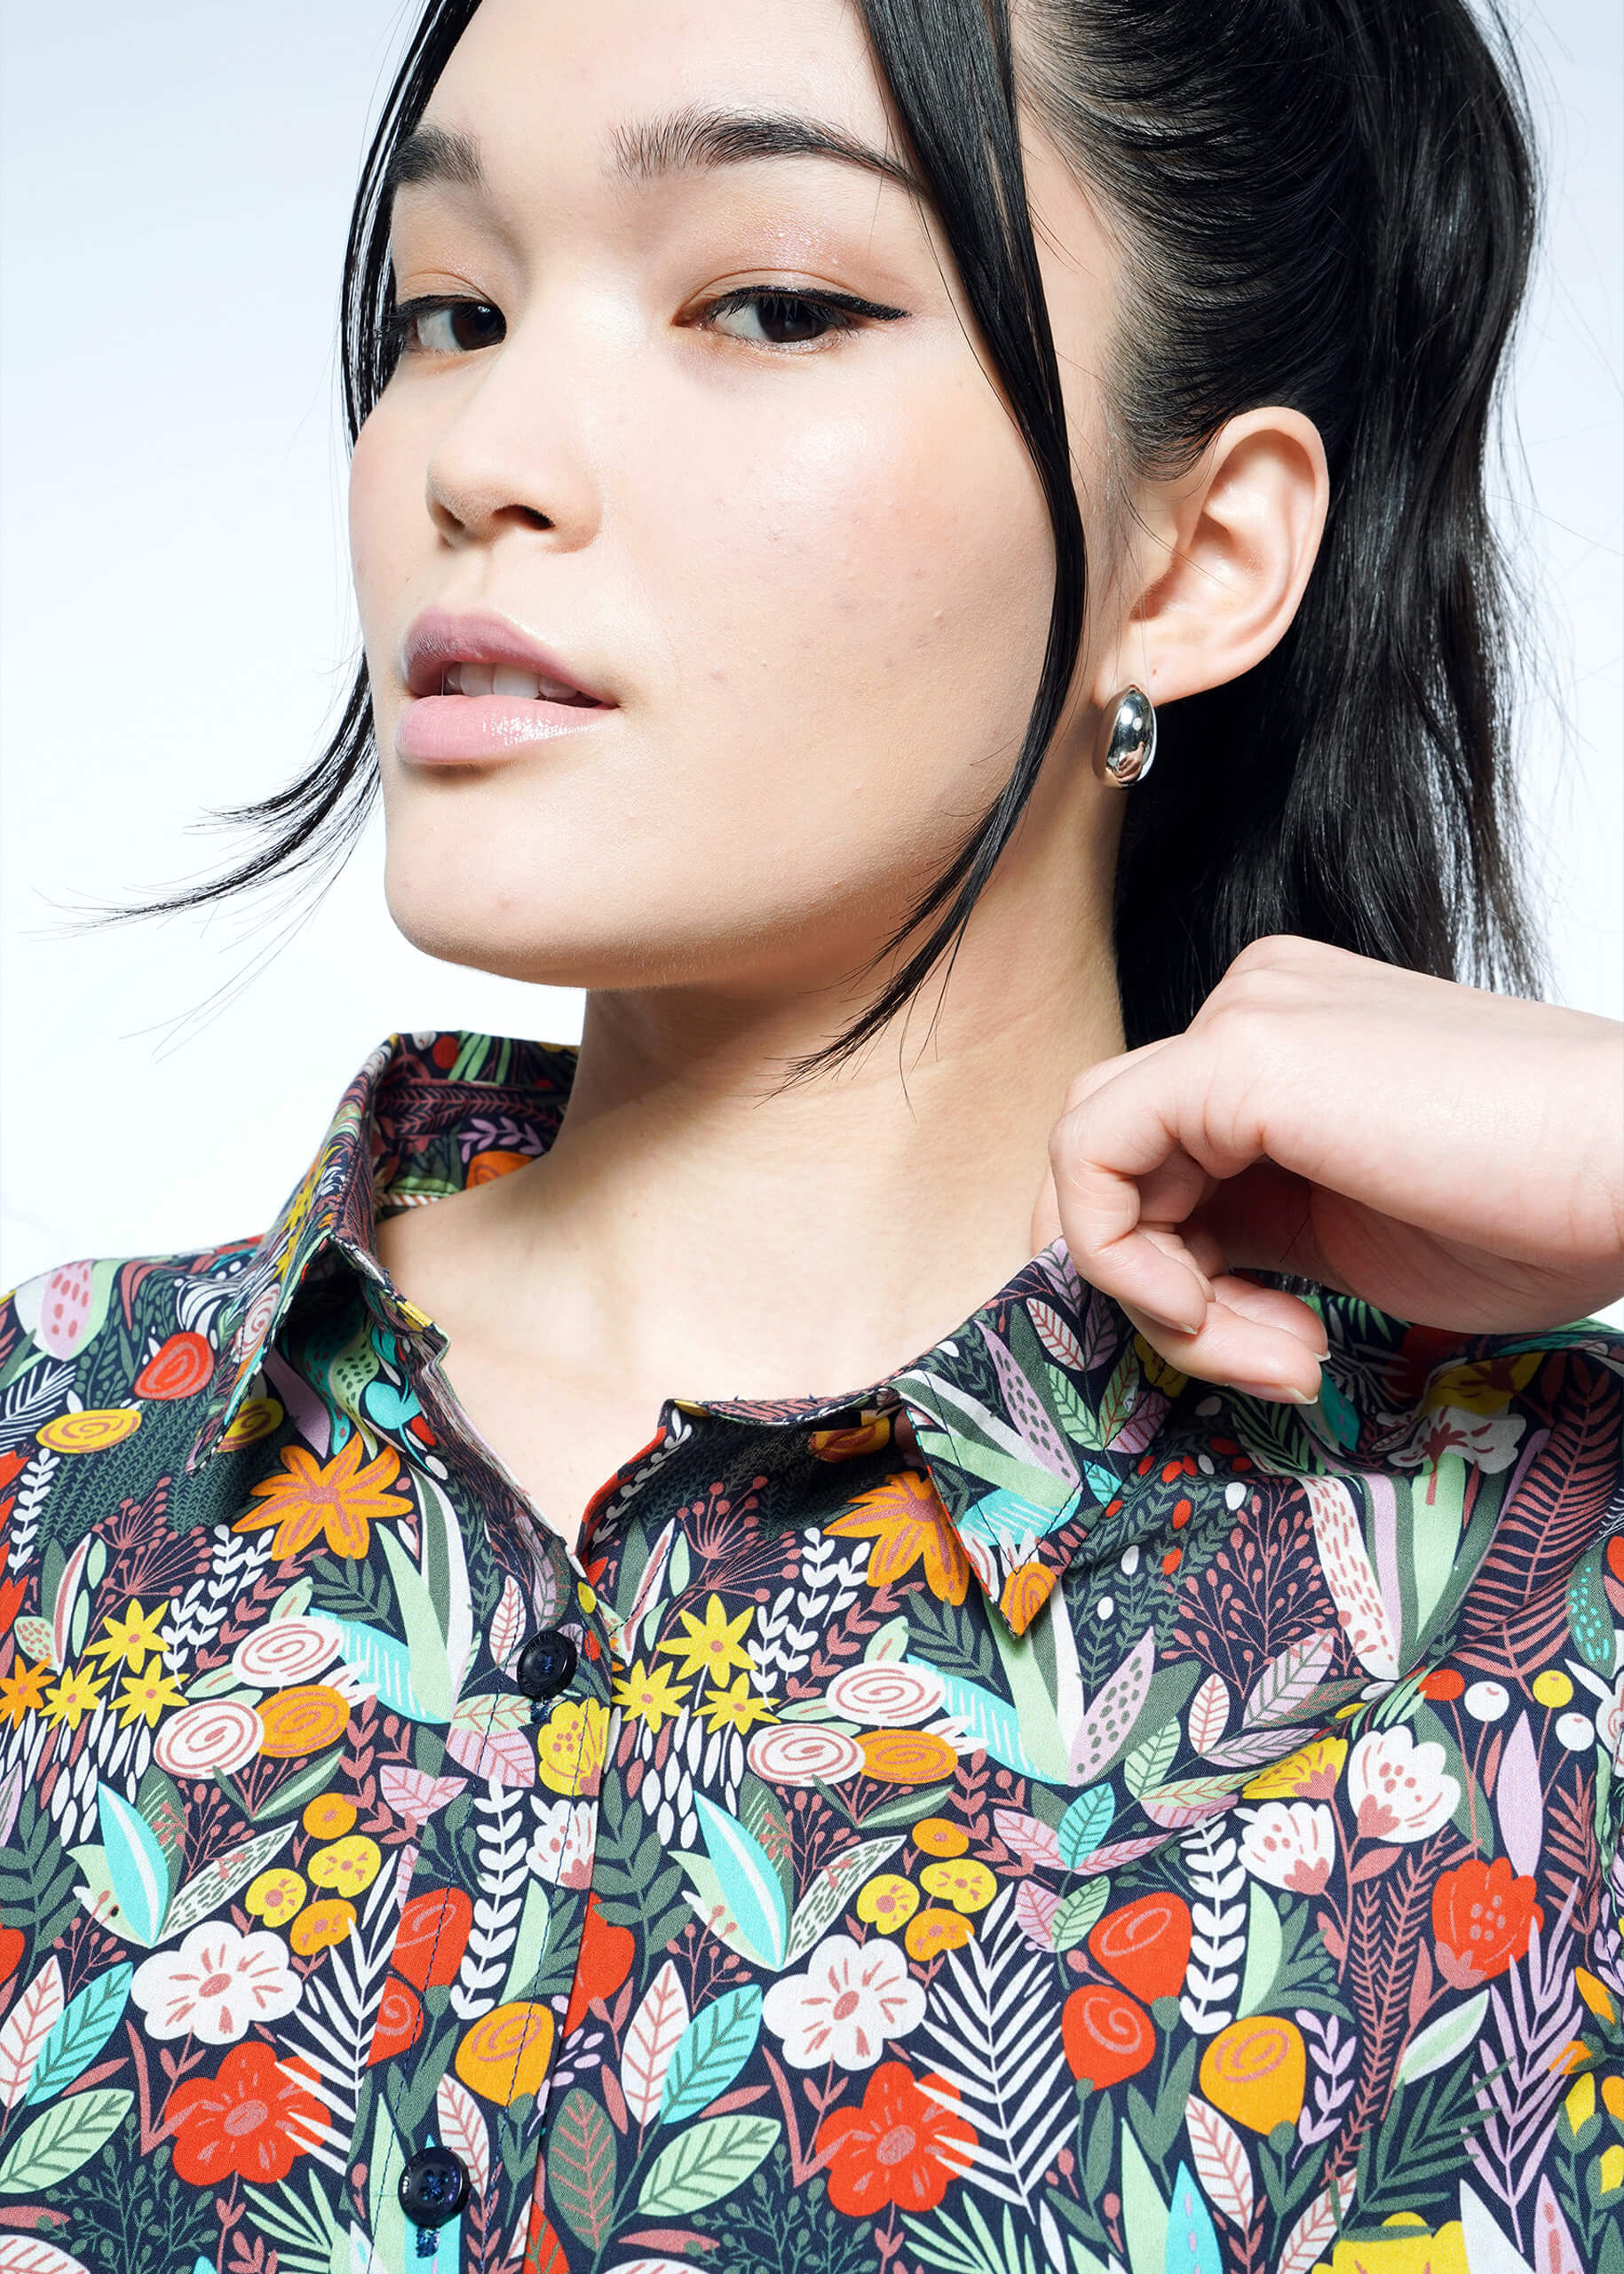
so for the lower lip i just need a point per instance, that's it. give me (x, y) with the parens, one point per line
(463, 730)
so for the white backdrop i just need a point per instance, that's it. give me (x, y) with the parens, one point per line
(175, 630)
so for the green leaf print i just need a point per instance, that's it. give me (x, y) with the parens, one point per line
(705, 2163)
(58, 2142)
(1080, 1913)
(1145, 2214)
(826, 1897)
(213, 1887)
(710, 2052)
(581, 2168)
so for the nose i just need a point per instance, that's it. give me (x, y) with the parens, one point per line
(511, 453)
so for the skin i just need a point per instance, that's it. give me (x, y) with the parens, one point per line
(816, 580)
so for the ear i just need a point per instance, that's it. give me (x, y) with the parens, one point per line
(1221, 558)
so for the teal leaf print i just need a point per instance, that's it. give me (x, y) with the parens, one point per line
(1192, 2242)
(388, 1666)
(710, 2052)
(79, 2033)
(1590, 1620)
(702, 2165)
(581, 2168)
(750, 1886)
(986, 1720)
(58, 2142)
(1085, 1825)
(137, 1866)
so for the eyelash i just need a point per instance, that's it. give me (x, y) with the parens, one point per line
(847, 313)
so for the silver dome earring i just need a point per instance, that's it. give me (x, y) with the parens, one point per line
(1129, 751)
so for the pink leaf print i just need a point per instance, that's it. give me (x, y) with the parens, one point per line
(1208, 1713)
(506, 1755)
(1518, 1803)
(1142, 1424)
(1290, 1680)
(1034, 1910)
(506, 1620)
(463, 2129)
(1305, 2242)
(1113, 1711)
(651, 2039)
(1118, 1853)
(27, 2025)
(1349, 1578)
(1555, 2251)
(414, 1795)
(1056, 1336)
(1220, 2161)
(1033, 1842)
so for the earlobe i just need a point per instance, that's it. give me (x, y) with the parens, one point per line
(1232, 547)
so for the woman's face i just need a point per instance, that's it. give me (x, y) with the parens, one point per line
(811, 568)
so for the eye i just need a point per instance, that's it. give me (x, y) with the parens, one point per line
(772, 318)
(438, 326)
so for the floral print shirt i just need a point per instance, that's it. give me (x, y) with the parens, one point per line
(1037, 1812)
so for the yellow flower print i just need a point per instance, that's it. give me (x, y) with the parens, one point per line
(1612, 2097)
(142, 1697)
(711, 1646)
(929, 1933)
(888, 1903)
(339, 1499)
(23, 1692)
(275, 1896)
(349, 1865)
(909, 1525)
(1414, 2249)
(1552, 1688)
(939, 1837)
(1610, 2169)
(1580, 2106)
(1486, 1388)
(647, 1697)
(967, 1886)
(736, 1707)
(570, 1747)
(130, 1640)
(72, 1698)
(329, 1816)
(1311, 1774)
(322, 1926)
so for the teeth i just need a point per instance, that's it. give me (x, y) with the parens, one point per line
(505, 679)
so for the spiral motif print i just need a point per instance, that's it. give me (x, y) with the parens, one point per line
(219, 1733)
(287, 1650)
(801, 1753)
(90, 1431)
(887, 1692)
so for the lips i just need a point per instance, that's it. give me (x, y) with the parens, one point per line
(481, 689)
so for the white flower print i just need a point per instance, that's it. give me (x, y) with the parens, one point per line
(852, 1996)
(561, 1851)
(1487, 1441)
(1291, 1847)
(216, 1985)
(1401, 1789)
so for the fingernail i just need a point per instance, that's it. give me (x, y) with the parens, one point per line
(1278, 1392)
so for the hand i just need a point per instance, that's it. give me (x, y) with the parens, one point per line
(1453, 1157)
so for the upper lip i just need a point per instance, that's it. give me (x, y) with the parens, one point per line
(437, 638)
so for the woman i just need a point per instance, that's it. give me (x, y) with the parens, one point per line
(539, 1727)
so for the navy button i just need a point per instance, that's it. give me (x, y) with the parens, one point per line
(433, 2187)
(546, 1664)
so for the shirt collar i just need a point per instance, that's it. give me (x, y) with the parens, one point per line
(1025, 1418)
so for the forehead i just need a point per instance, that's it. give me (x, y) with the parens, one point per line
(603, 90)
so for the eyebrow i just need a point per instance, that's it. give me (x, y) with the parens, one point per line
(690, 140)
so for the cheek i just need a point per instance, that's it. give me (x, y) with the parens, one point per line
(873, 588)
(387, 522)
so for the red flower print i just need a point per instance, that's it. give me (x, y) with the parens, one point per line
(182, 1366)
(605, 1958)
(399, 2022)
(243, 2118)
(431, 1938)
(1145, 1945)
(1481, 1916)
(901, 2146)
(1108, 2037)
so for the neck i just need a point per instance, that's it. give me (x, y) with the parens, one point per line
(727, 1236)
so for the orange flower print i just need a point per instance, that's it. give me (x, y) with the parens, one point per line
(340, 1499)
(1481, 1915)
(901, 2146)
(905, 1518)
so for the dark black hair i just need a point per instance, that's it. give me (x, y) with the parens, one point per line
(1323, 203)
